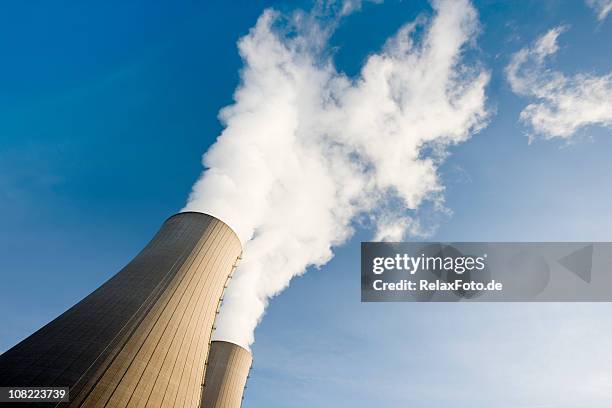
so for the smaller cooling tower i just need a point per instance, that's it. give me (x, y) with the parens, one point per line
(227, 370)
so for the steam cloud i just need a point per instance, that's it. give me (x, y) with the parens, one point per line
(308, 152)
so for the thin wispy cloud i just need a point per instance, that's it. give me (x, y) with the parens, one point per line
(601, 7)
(562, 104)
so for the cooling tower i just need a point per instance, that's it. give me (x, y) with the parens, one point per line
(140, 339)
(227, 370)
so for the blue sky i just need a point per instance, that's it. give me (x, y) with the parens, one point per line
(106, 109)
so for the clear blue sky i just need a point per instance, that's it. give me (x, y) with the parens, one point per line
(106, 108)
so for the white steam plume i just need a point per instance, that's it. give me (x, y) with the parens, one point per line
(307, 151)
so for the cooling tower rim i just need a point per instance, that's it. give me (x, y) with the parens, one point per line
(208, 215)
(233, 344)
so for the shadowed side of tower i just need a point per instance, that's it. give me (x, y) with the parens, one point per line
(227, 370)
(140, 339)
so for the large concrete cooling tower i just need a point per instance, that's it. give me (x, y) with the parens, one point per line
(141, 339)
(227, 370)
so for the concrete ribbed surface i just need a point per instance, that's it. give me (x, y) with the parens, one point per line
(141, 339)
(227, 370)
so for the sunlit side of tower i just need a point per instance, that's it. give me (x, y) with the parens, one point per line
(140, 339)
